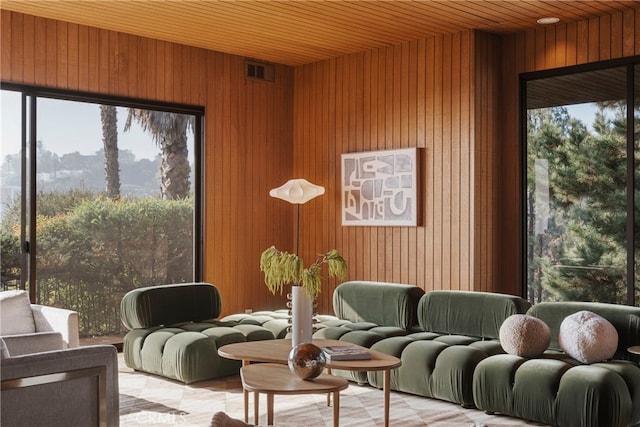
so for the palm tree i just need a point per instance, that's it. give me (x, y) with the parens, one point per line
(108, 116)
(169, 132)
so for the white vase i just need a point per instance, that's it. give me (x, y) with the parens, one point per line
(301, 316)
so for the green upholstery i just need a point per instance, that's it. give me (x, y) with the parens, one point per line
(460, 329)
(173, 332)
(168, 304)
(558, 390)
(477, 314)
(384, 304)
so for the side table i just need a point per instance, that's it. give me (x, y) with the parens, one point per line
(272, 379)
(635, 349)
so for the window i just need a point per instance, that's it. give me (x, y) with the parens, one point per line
(581, 184)
(99, 196)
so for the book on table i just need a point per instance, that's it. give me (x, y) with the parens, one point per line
(346, 352)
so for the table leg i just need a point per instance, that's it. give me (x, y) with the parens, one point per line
(269, 409)
(246, 405)
(328, 394)
(336, 409)
(387, 386)
(256, 407)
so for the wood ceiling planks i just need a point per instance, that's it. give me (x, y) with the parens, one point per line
(296, 33)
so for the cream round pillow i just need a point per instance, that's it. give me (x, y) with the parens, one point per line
(588, 337)
(525, 336)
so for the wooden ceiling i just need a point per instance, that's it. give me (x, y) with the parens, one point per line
(300, 32)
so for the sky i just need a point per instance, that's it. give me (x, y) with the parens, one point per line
(67, 126)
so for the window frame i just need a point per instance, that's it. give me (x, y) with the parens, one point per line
(630, 64)
(28, 173)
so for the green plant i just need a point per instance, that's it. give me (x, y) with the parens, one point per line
(282, 268)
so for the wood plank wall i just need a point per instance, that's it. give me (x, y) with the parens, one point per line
(248, 144)
(416, 94)
(560, 45)
(456, 97)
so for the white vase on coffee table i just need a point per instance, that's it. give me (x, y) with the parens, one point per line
(301, 316)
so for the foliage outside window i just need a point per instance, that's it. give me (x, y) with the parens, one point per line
(577, 209)
(106, 222)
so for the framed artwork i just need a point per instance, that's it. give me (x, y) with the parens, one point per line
(380, 188)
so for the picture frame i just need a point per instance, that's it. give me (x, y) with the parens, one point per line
(379, 188)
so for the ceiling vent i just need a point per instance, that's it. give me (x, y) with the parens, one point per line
(260, 71)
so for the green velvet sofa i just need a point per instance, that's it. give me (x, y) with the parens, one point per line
(440, 336)
(558, 390)
(173, 332)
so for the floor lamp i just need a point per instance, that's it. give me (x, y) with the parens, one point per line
(297, 192)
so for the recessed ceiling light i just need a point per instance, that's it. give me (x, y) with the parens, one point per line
(548, 20)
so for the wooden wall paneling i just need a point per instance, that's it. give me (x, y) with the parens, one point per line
(508, 194)
(28, 36)
(381, 145)
(214, 174)
(570, 43)
(368, 139)
(437, 173)
(561, 48)
(637, 33)
(604, 37)
(616, 35)
(457, 205)
(464, 246)
(594, 39)
(540, 52)
(117, 63)
(62, 46)
(420, 111)
(628, 27)
(51, 53)
(72, 56)
(447, 165)
(396, 142)
(6, 55)
(39, 52)
(582, 43)
(412, 141)
(83, 55)
(429, 166)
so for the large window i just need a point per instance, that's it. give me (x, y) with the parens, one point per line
(99, 196)
(582, 198)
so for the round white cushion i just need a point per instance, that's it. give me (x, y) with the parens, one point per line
(588, 337)
(525, 336)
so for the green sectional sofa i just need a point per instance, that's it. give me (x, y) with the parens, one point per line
(448, 342)
(557, 389)
(441, 339)
(173, 332)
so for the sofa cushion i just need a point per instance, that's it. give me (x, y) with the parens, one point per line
(524, 335)
(15, 311)
(477, 314)
(587, 337)
(170, 304)
(383, 304)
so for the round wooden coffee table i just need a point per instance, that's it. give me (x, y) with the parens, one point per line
(277, 351)
(272, 379)
(635, 349)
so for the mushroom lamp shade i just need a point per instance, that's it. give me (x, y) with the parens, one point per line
(297, 191)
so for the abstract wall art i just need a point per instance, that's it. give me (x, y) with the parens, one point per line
(380, 188)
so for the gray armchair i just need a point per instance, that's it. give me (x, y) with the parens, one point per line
(74, 387)
(32, 328)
